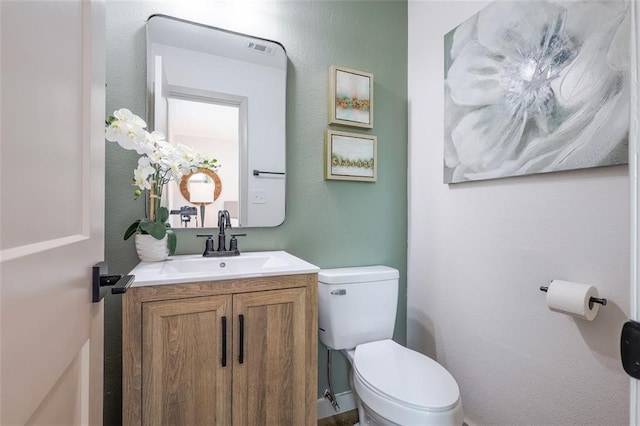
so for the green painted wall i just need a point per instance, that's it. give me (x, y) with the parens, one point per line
(328, 223)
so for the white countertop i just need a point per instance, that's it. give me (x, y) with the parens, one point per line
(196, 268)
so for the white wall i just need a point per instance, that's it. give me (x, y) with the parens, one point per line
(478, 253)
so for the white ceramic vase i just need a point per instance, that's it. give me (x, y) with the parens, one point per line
(151, 249)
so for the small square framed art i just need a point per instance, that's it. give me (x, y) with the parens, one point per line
(350, 156)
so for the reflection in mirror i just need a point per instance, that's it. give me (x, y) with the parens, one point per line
(212, 129)
(203, 189)
(224, 94)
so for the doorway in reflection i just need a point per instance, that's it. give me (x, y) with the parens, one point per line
(213, 128)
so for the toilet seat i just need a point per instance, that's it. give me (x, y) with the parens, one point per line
(405, 377)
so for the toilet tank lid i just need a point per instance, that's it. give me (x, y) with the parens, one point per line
(357, 274)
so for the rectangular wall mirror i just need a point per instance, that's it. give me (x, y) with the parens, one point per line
(224, 94)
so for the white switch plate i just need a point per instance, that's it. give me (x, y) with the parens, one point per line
(258, 196)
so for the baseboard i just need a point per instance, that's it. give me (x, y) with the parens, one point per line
(345, 401)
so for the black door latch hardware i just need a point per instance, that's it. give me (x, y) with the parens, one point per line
(100, 278)
(630, 348)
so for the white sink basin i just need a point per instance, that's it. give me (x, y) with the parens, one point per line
(194, 268)
(250, 264)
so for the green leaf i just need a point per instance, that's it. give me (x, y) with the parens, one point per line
(172, 241)
(157, 230)
(132, 229)
(162, 215)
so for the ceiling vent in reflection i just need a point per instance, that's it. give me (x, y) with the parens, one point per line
(262, 48)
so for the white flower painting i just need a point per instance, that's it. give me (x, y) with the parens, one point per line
(536, 87)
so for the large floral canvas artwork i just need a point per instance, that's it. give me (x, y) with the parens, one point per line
(536, 87)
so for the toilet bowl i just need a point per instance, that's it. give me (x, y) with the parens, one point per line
(402, 386)
(392, 384)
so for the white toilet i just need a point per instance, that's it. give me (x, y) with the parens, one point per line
(392, 384)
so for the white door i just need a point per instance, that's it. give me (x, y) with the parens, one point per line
(52, 62)
(634, 167)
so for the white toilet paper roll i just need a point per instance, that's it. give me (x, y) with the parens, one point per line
(572, 298)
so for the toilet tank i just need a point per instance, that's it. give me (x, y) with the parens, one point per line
(356, 305)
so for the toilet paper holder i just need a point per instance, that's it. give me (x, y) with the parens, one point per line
(592, 300)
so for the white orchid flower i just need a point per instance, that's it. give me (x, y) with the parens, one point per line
(161, 161)
(188, 158)
(127, 130)
(155, 137)
(163, 150)
(127, 136)
(142, 173)
(126, 116)
(174, 168)
(185, 153)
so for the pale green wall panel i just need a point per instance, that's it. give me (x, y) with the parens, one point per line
(328, 223)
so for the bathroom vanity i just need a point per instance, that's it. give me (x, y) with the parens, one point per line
(225, 341)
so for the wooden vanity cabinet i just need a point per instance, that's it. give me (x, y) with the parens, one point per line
(236, 352)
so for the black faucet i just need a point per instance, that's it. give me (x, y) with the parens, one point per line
(224, 222)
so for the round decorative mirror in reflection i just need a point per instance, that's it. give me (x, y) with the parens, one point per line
(201, 187)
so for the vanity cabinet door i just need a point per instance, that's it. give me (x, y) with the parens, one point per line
(269, 357)
(185, 381)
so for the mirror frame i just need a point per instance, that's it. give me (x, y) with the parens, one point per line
(184, 184)
(271, 213)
